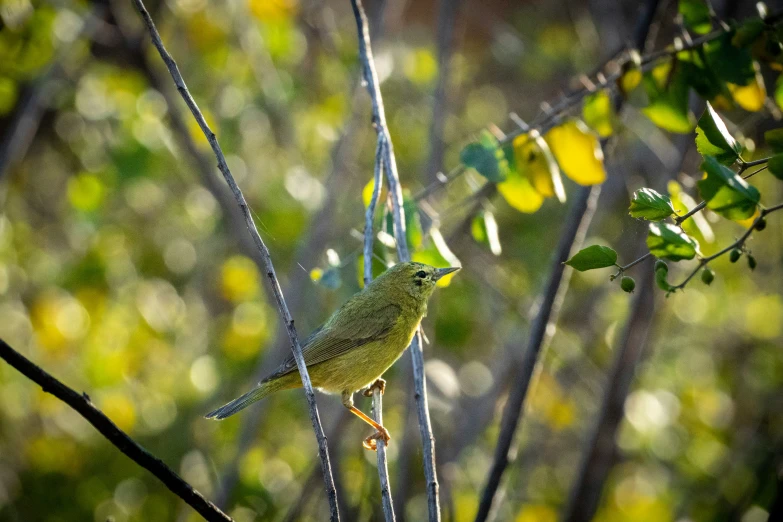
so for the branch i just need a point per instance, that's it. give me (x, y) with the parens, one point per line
(576, 226)
(83, 406)
(695, 210)
(540, 334)
(739, 243)
(383, 468)
(395, 193)
(263, 251)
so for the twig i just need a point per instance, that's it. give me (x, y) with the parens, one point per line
(369, 233)
(383, 468)
(263, 251)
(395, 193)
(737, 244)
(81, 403)
(695, 210)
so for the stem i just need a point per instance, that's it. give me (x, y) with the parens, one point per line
(738, 243)
(263, 252)
(80, 402)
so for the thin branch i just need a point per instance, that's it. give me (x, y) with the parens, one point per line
(369, 234)
(395, 193)
(263, 251)
(383, 468)
(737, 244)
(81, 403)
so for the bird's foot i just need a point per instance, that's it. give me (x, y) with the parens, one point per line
(371, 442)
(380, 384)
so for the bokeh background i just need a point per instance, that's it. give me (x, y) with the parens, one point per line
(126, 272)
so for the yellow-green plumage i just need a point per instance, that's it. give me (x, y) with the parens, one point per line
(359, 341)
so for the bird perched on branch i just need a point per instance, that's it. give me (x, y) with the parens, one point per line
(358, 343)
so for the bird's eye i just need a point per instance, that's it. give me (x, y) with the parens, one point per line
(421, 273)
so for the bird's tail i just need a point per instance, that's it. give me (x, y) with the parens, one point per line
(240, 403)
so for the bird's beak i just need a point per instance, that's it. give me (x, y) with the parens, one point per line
(440, 272)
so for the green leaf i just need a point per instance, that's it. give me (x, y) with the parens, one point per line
(748, 32)
(726, 193)
(593, 257)
(486, 157)
(598, 113)
(699, 76)
(731, 64)
(667, 91)
(774, 139)
(696, 15)
(650, 205)
(713, 138)
(669, 242)
(775, 166)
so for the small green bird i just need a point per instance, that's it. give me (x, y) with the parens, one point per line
(359, 342)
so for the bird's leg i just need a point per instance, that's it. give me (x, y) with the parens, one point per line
(381, 433)
(380, 384)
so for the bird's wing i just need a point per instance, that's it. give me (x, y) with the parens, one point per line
(323, 344)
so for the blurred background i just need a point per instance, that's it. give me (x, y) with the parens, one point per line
(125, 269)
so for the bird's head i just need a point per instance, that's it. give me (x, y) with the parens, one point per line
(416, 279)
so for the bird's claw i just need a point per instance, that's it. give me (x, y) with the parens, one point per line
(380, 384)
(371, 442)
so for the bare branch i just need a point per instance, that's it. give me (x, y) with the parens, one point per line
(383, 468)
(263, 251)
(575, 229)
(81, 403)
(395, 193)
(578, 221)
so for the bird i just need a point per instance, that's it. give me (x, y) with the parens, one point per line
(357, 344)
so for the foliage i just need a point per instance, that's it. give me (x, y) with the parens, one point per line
(123, 273)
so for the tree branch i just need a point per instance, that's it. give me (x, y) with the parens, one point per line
(395, 193)
(576, 227)
(369, 234)
(83, 406)
(263, 251)
(540, 334)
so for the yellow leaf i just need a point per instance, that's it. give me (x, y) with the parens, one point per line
(630, 80)
(520, 194)
(578, 152)
(750, 97)
(534, 161)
